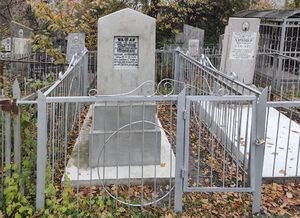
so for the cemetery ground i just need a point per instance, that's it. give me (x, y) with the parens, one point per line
(278, 199)
(100, 139)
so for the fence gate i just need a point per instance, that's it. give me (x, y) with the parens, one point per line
(220, 145)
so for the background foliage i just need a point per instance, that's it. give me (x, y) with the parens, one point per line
(52, 23)
(55, 23)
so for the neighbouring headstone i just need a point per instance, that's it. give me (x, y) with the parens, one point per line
(126, 52)
(179, 38)
(193, 47)
(193, 39)
(6, 44)
(21, 46)
(126, 59)
(221, 39)
(21, 39)
(224, 49)
(76, 44)
(20, 31)
(240, 48)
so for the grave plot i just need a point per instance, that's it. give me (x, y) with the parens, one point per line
(122, 161)
(215, 161)
(282, 136)
(124, 143)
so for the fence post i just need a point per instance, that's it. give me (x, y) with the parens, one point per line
(85, 70)
(259, 149)
(179, 151)
(177, 71)
(17, 127)
(7, 139)
(41, 150)
(278, 76)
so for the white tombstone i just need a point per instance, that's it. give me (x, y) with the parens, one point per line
(221, 39)
(6, 44)
(76, 44)
(193, 39)
(126, 52)
(21, 46)
(20, 40)
(20, 31)
(240, 48)
(126, 59)
(179, 38)
(224, 49)
(193, 47)
(126, 138)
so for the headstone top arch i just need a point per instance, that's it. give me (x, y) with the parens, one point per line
(126, 52)
(20, 31)
(193, 39)
(240, 47)
(76, 44)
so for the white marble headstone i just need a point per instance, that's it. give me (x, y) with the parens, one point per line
(76, 44)
(179, 38)
(21, 46)
(221, 39)
(126, 52)
(193, 47)
(191, 34)
(20, 38)
(20, 31)
(240, 48)
(6, 44)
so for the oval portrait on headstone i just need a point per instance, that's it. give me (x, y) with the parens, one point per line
(245, 26)
(21, 33)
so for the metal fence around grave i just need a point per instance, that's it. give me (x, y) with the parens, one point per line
(16, 140)
(281, 73)
(213, 130)
(33, 72)
(64, 120)
(218, 134)
(279, 51)
(282, 150)
(281, 157)
(67, 152)
(60, 146)
(5, 136)
(205, 79)
(217, 114)
(10, 151)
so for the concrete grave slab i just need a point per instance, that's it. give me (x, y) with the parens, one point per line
(126, 134)
(117, 115)
(123, 128)
(80, 173)
(281, 153)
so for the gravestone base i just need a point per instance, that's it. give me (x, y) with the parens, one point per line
(125, 134)
(80, 173)
(125, 148)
